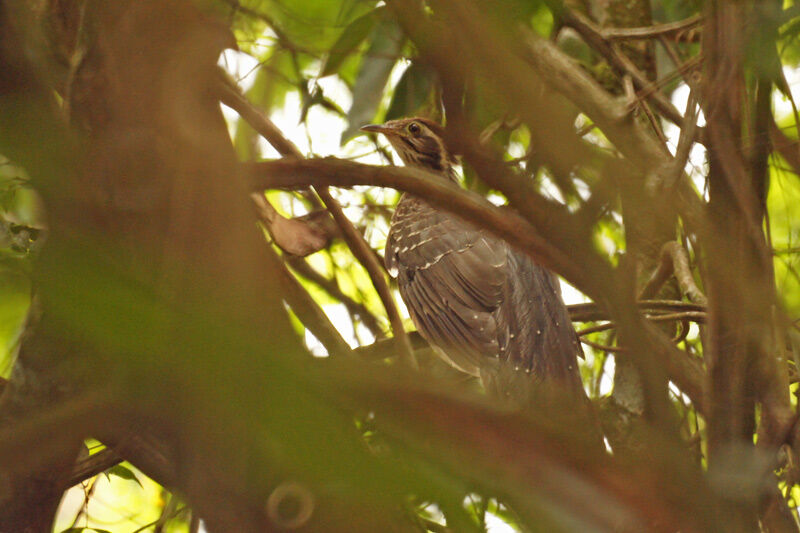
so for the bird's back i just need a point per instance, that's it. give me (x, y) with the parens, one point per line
(491, 310)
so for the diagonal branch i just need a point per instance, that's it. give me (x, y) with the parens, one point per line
(559, 72)
(293, 174)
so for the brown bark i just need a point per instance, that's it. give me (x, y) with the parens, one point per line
(741, 348)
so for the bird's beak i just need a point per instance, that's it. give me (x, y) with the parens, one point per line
(378, 128)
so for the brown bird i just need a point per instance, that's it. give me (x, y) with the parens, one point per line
(488, 309)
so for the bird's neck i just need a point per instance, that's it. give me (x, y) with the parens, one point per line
(448, 172)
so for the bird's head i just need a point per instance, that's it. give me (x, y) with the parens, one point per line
(419, 143)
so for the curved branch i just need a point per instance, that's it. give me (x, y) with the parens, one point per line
(293, 173)
(621, 63)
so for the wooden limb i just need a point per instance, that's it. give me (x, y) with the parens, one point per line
(430, 418)
(591, 312)
(93, 465)
(672, 175)
(506, 224)
(601, 347)
(611, 116)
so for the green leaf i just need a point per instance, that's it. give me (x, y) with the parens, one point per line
(79, 529)
(352, 36)
(124, 472)
(387, 41)
(412, 93)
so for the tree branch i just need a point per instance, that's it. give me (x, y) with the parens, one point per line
(507, 225)
(611, 115)
(293, 174)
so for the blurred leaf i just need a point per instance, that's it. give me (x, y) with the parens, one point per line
(412, 92)
(312, 24)
(542, 20)
(386, 43)
(280, 75)
(782, 199)
(351, 37)
(79, 529)
(788, 43)
(123, 472)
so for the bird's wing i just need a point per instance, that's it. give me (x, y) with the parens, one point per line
(452, 278)
(545, 342)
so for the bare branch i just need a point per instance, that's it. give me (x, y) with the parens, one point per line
(93, 465)
(611, 116)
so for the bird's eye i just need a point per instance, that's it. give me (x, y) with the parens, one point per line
(413, 128)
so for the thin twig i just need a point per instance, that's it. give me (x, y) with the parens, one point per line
(166, 514)
(682, 333)
(596, 329)
(694, 316)
(647, 32)
(685, 143)
(602, 347)
(93, 465)
(364, 255)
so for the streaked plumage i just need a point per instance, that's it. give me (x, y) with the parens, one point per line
(489, 309)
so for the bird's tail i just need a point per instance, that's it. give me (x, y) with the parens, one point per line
(563, 405)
